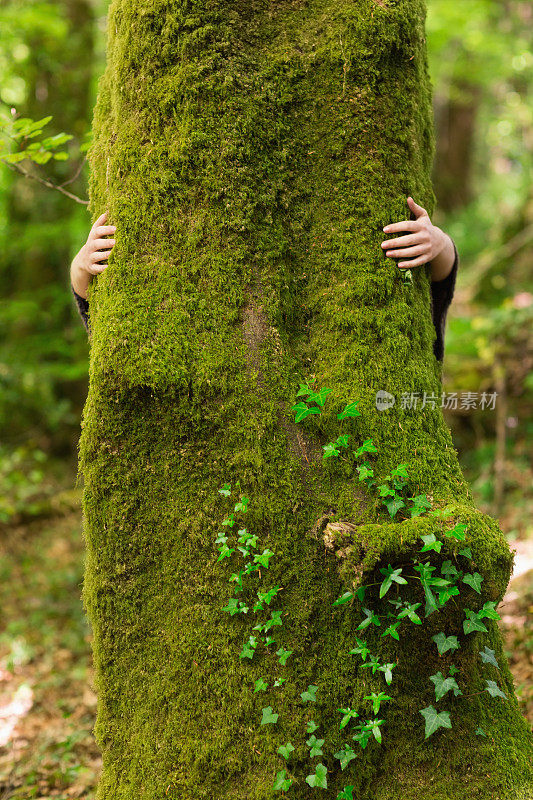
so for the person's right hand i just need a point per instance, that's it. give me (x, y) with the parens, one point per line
(92, 258)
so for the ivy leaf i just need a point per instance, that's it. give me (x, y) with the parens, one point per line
(345, 756)
(365, 471)
(318, 779)
(361, 649)
(279, 681)
(457, 532)
(472, 623)
(431, 543)
(466, 552)
(394, 505)
(453, 669)
(283, 655)
(343, 598)
(275, 619)
(371, 619)
(311, 727)
(362, 737)
(391, 631)
(263, 558)
(226, 490)
(366, 447)
(449, 570)
(315, 745)
(373, 663)
(268, 717)
(488, 610)
(302, 411)
(330, 450)
(350, 410)
(319, 397)
(225, 552)
(249, 648)
(420, 505)
(474, 581)
(391, 575)
(409, 612)
(488, 656)
(385, 490)
(342, 440)
(444, 685)
(387, 669)
(494, 690)
(377, 699)
(309, 695)
(347, 792)
(281, 783)
(434, 721)
(445, 643)
(447, 592)
(285, 750)
(260, 685)
(303, 390)
(348, 714)
(480, 732)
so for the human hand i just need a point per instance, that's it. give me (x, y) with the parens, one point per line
(91, 259)
(424, 242)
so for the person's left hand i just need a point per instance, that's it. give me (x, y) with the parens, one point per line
(425, 241)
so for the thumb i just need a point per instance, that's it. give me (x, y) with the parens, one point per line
(417, 210)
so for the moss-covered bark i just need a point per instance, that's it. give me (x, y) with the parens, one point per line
(250, 154)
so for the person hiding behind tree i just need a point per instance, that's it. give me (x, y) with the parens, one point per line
(421, 243)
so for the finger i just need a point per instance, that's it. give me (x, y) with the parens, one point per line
(407, 225)
(419, 250)
(101, 220)
(415, 262)
(103, 244)
(404, 241)
(100, 255)
(105, 230)
(417, 210)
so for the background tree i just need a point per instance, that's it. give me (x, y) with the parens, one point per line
(251, 157)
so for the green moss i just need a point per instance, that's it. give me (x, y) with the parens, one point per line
(250, 157)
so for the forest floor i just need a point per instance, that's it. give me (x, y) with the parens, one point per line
(47, 699)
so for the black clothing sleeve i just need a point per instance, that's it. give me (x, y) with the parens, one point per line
(83, 308)
(441, 297)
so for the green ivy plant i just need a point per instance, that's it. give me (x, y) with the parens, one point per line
(379, 609)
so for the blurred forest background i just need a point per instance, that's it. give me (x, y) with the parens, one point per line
(51, 56)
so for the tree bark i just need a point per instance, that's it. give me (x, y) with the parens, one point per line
(250, 155)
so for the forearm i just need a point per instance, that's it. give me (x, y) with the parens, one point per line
(442, 263)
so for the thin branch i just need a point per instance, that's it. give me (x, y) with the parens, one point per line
(44, 182)
(76, 174)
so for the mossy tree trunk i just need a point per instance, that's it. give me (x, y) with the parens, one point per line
(250, 155)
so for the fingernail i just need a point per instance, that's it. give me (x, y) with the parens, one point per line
(386, 228)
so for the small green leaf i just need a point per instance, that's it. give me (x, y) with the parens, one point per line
(330, 450)
(309, 696)
(348, 714)
(488, 610)
(377, 699)
(268, 717)
(494, 690)
(392, 631)
(480, 732)
(409, 611)
(365, 472)
(366, 447)
(474, 581)
(361, 649)
(343, 598)
(434, 721)
(315, 745)
(371, 619)
(387, 669)
(260, 685)
(444, 685)
(249, 648)
(488, 656)
(457, 532)
(318, 779)
(347, 792)
(263, 558)
(445, 643)
(304, 390)
(394, 505)
(311, 727)
(472, 624)
(431, 543)
(281, 783)
(285, 750)
(345, 756)
(302, 411)
(350, 410)
(283, 655)
(466, 552)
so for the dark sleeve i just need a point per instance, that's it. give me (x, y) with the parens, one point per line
(441, 297)
(83, 308)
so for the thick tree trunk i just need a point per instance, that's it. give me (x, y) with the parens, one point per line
(250, 155)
